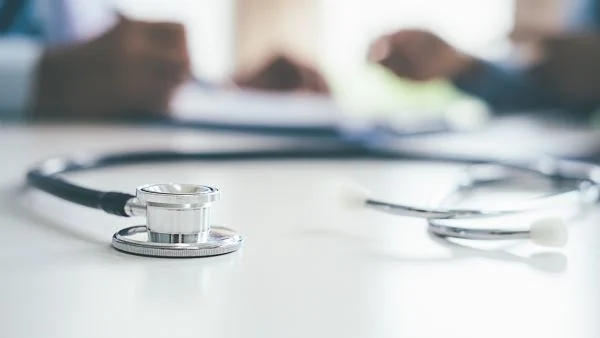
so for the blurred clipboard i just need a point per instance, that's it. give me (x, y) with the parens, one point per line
(284, 114)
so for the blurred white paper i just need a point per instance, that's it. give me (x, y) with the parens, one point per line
(249, 107)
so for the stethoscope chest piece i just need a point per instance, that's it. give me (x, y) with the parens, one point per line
(178, 224)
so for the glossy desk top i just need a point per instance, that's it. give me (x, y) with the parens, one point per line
(307, 268)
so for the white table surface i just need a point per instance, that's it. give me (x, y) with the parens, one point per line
(307, 269)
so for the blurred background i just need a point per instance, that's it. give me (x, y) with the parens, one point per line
(511, 55)
(237, 36)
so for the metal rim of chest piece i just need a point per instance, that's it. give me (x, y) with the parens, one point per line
(137, 240)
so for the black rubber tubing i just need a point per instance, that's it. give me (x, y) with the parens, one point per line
(50, 181)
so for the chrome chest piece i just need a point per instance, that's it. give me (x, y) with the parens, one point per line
(178, 223)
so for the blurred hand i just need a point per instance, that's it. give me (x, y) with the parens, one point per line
(286, 75)
(571, 67)
(132, 69)
(419, 55)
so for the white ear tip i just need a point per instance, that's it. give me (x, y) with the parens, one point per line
(549, 232)
(352, 195)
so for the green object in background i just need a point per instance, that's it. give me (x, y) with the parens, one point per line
(374, 91)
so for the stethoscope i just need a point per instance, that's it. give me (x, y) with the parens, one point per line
(178, 220)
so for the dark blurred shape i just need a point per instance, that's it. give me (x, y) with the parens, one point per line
(8, 13)
(571, 67)
(283, 73)
(418, 55)
(132, 69)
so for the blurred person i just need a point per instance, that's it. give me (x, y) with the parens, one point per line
(52, 68)
(566, 77)
(71, 59)
(284, 73)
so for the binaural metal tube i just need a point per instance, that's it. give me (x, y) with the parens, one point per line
(411, 211)
(477, 234)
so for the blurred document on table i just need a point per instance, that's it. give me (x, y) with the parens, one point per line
(238, 106)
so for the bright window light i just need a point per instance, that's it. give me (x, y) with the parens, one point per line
(479, 27)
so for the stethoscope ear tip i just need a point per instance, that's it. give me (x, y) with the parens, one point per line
(550, 232)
